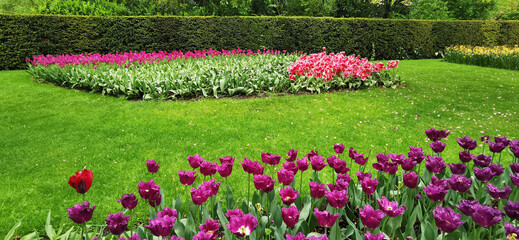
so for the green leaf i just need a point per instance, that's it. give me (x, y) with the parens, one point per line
(223, 221)
(180, 228)
(276, 215)
(11, 232)
(49, 230)
(31, 236)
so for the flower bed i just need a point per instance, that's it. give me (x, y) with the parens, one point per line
(497, 57)
(173, 75)
(396, 198)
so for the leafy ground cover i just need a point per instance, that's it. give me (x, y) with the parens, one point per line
(506, 57)
(51, 132)
(204, 73)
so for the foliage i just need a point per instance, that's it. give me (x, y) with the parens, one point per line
(374, 38)
(81, 7)
(429, 9)
(189, 76)
(497, 57)
(471, 9)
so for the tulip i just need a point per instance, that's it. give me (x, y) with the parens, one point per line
(338, 148)
(299, 236)
(483, 175)
(337, 199)
(446, 219)
(302, 164)
(370, 217)
(466, 143)
(360, 159)
(511, 231)
(512, 210)
(81, 213)
(211, 228)
(466, 156)
(242, 226)
(227, 159)
(497, 169)
(317, 163)
(117, 223)
(161, 226)
(435, 164)
(351, 153)
(486, 216)
(199, 196)
(325, 219)
(270, 159)
(467, 207)
(370, 236)
(322, 237)
(264, 183)
(485, 138)
(225, 169)
(437, 146)
(135, 236)
(148, 189)
(496, 147)
(203, 236)
(436, 192)
(290, 215)
(288, 195)
(195, 161)
(514, 167)
(408, 164)
(346, 177)
(311, 154)
(155, 199)
(167, 212)
(285, 176)
(457, 168)
(390, 168)
(340, 185)
(410, 179)
(210, 187)
(515, 179)
(460, 183)
(496, 193)
(187, 177)
(291, 166)
(361, 175)
(514, 147)
(317, 190)
(128, 201)
(369, 186)
(252, 167)
(502, 140)
(331, 161)
(234, 213)
(208, 168)
(416, 154)
(391, 209)
(292, 155)
(81, 181)
(152, 166)
(482, 160)
(435, 135)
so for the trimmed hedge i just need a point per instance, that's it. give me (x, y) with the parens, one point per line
(22, 36)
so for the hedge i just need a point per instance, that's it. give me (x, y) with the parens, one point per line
(22, 36)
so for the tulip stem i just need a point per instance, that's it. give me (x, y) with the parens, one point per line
(443, 235)
(84, 230)
(248, 193)
(326, 231)
(301, 184)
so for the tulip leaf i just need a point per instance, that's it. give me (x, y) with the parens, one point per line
(205, 214)
(177, 204)
(303, 215)
(255, 199)
(11, 232)
(276, 215)
(223, 221)
(335, 233)
(278, 234)
(230, 198)
(179, 228)
(31, 236)
(49, 230)
(427, 231)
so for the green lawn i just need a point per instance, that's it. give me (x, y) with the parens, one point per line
(48, 132)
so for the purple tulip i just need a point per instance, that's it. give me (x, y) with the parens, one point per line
(317, 163)
(187, 177)
(466, 156)
(199, 196)
(369, 186)
(288, 195)
(346, 177)
(339, 148)
(370, 217)
(340, 185)
(466, 143)
(290, 215)
(135, 236)
(252, 167)
(485, 138)
(208, 168)
(117, 223)
(497, 169)
(195, 161)
(496, 147)
(337, 199)
(391, 209)
(436, 191)
(436, 135)
(264, 183)
(161, 226)
(128, 201)
(514, 147)
(270, 159)
(155, 199)
(361, 175)
(511, 231)
(226, 159)
(242, 226)
(291, 166)
(325, 219)
(410, 179)
(225, 169)
(458, 168)
(486, 216)
(340, 167)
(285, 176)
(512, 210)
(390, 168)
(311, 154)
(408, 164)
(322, 237)
(210, 187)
(398, 158)
(167, 212)
(292, 155)
(435, 164)
(360, 159)
(317, 190)
(495, 193)
(482, 160)
(81, 213)
(502, 140)
(437, 146)
(302, 164)
(299, 236)
(148, 189)
(382, 158)
(416, 154)
(483, 175)
(234, 213)
(152, 166)
(467, 207)
(514, 167)
(460, 183)
(331, 161)
(515, 179)
(446, 219)
(370, 236)
(202, 236)
(210, 227)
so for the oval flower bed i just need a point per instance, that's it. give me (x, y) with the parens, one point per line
(395, 198)
(173, 75)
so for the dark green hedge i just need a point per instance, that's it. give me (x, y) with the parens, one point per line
(22, 36)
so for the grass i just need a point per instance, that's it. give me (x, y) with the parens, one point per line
(48, 132)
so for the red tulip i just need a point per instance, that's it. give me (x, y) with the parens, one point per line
(81, 181)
